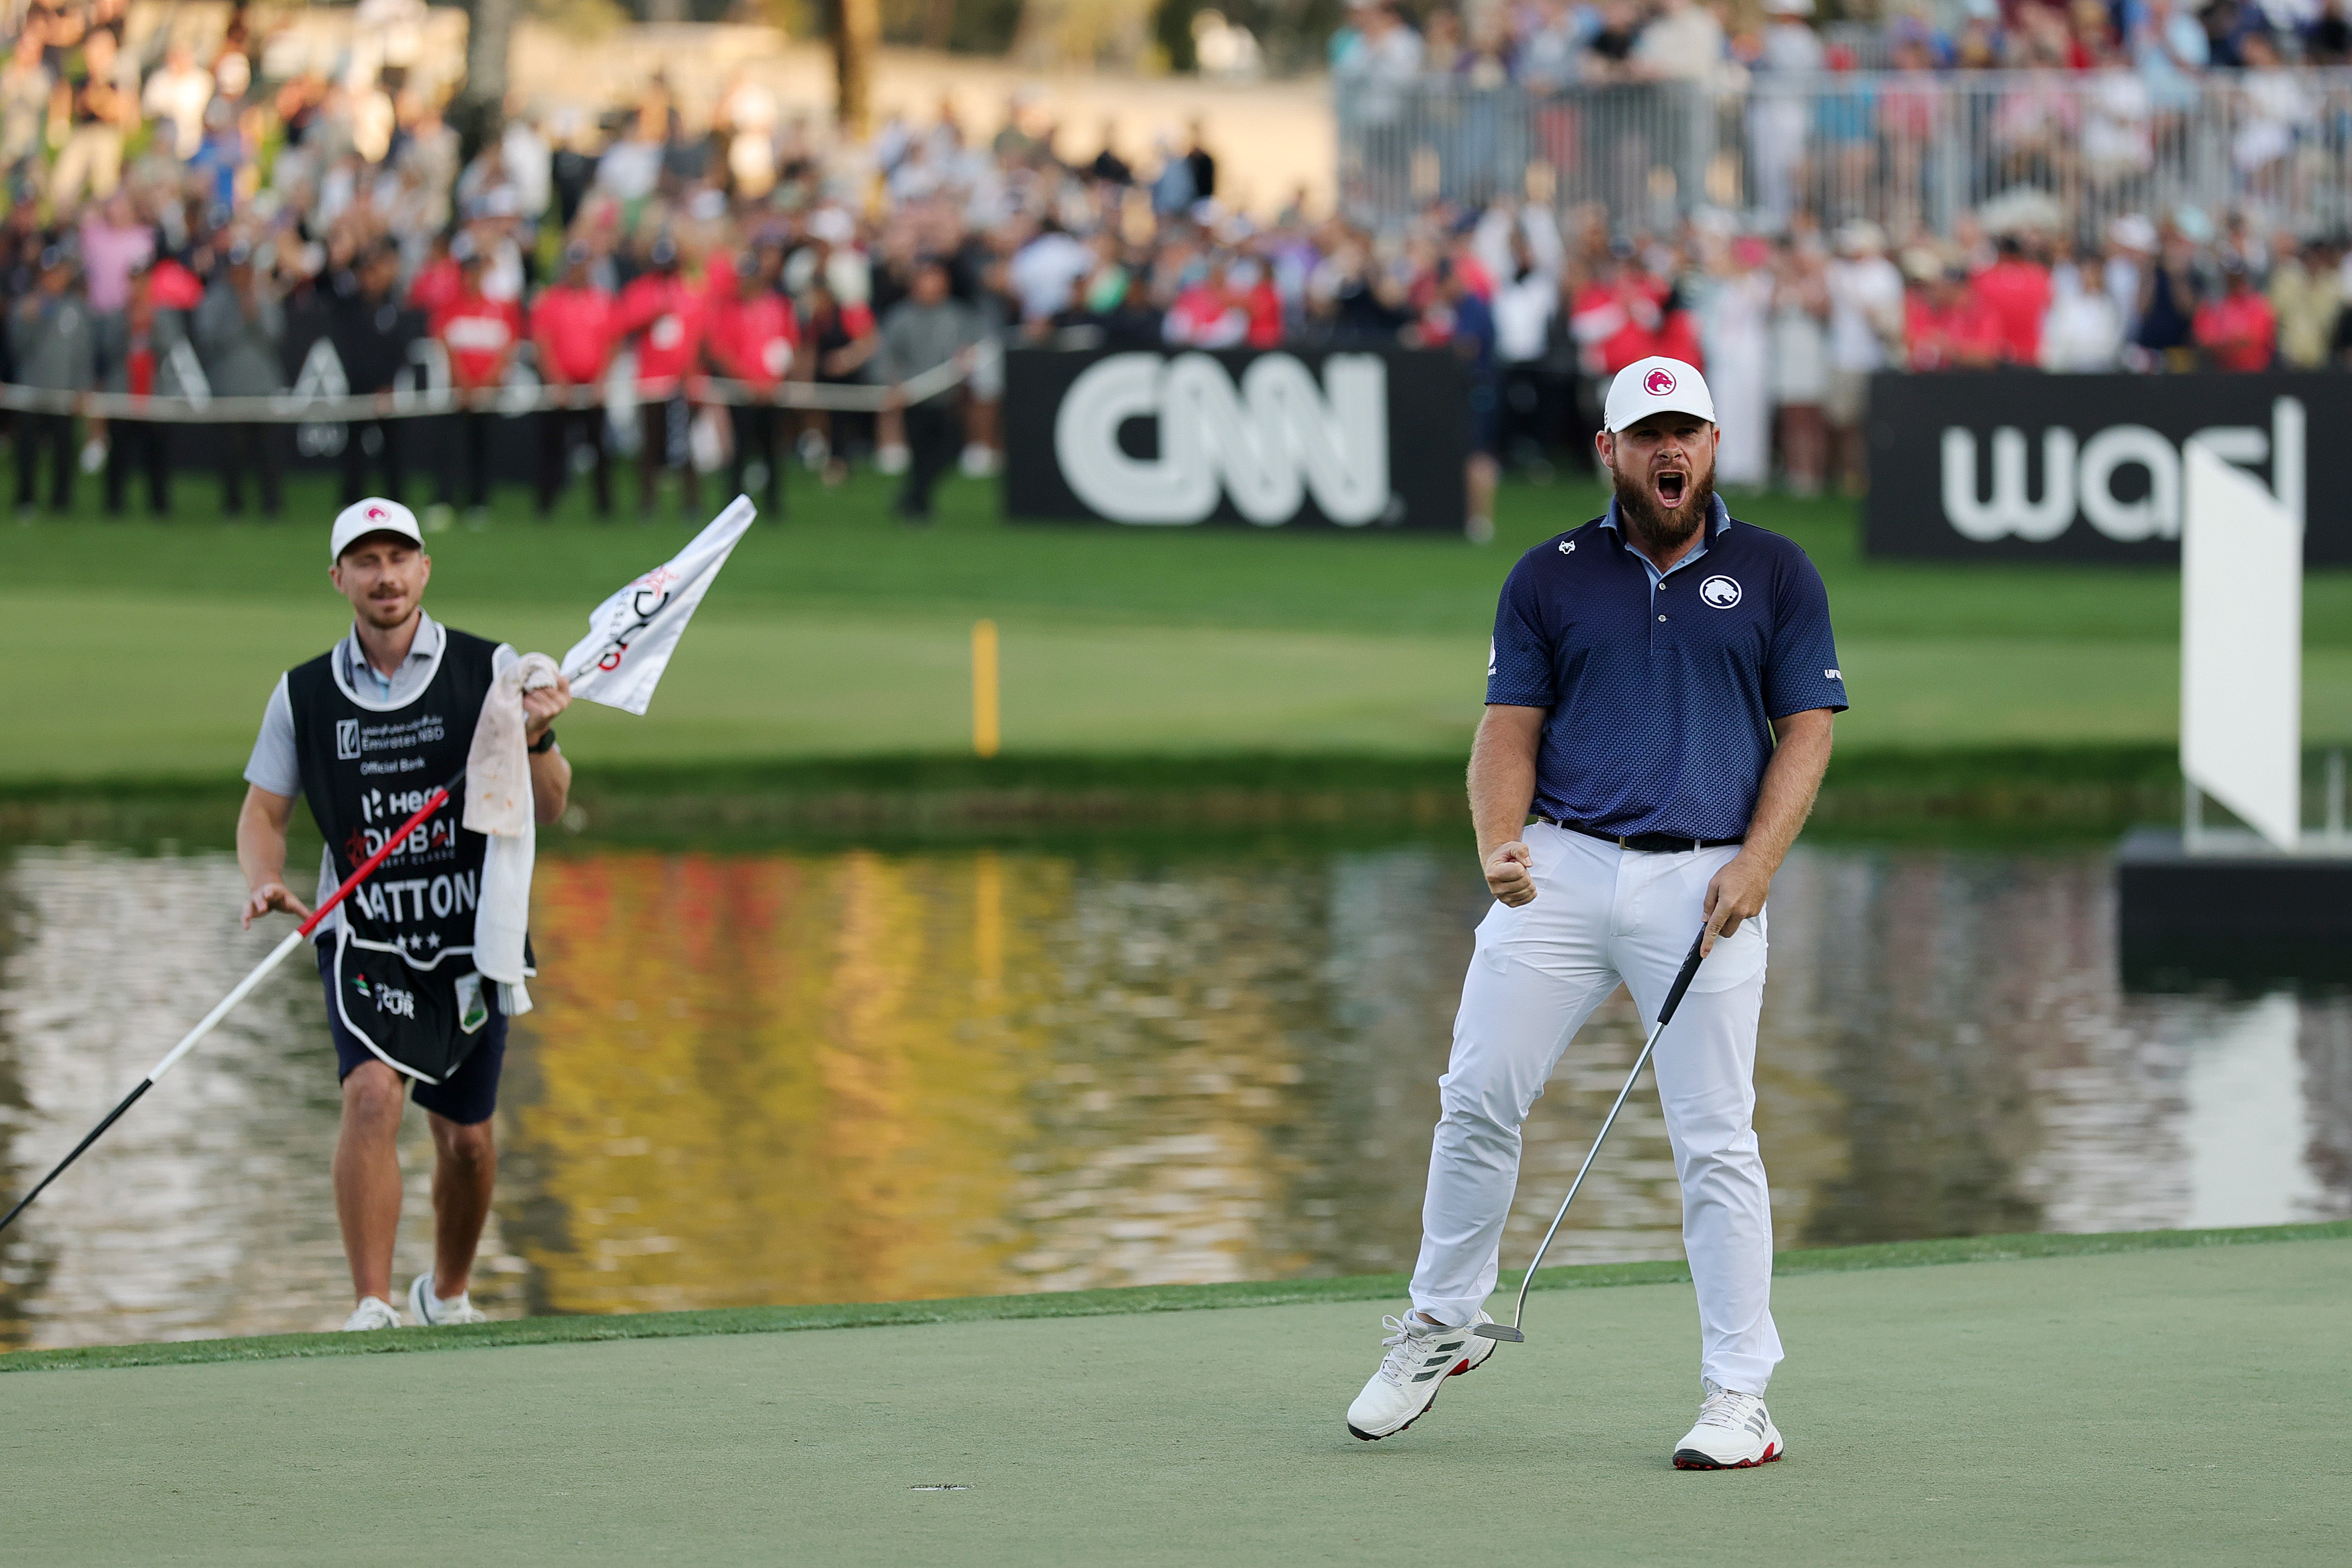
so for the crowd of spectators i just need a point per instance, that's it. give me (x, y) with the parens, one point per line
(179, 227)
(1793, 327)
(1552, 44)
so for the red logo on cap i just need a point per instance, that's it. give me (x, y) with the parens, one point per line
(1659, 382)
(377, 514)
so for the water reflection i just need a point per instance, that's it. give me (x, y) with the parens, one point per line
(809, 1076)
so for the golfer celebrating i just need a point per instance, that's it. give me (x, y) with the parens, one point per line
(1659, 697)
(364, 734)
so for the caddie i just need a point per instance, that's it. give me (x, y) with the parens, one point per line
(1659, 699)
(364, 733)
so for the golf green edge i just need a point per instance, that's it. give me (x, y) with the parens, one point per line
(1110, 1303)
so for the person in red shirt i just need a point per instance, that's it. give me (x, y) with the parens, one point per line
(1947, 327)
(1622, 317)
(754, 337)
(2016, 290)
(571, 328)
(664, 315)
(2238, 331)
(479, 335)
(172, 287)
(438, 281)
(1254, 291)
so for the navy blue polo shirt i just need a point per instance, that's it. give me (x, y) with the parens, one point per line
(1661, 689)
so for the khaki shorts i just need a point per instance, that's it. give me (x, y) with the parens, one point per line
(1848, 399)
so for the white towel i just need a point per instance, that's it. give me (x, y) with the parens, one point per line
(499, 804)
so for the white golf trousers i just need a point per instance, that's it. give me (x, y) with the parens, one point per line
(1602, 915)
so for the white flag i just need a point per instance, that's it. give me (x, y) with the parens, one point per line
(631, 635)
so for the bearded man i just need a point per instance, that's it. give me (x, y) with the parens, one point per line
(1659, 698)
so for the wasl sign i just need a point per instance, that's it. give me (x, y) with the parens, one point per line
(1267, 443)
(2080, 477)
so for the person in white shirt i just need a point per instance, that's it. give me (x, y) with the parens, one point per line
(1866, 335)
(1684, 42)
(2081, 331)
(175, 98)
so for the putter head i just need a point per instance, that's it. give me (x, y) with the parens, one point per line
(1503, 1332)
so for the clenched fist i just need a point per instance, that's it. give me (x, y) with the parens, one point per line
(1510, 874)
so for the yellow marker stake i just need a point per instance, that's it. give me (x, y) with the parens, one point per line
(984, 689)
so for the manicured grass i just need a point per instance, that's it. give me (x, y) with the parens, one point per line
(2157, 1407)
(1119, 1302)
(144, 651)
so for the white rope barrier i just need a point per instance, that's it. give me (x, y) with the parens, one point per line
(513, 400)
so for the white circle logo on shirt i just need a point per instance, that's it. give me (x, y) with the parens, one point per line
(1721, 592)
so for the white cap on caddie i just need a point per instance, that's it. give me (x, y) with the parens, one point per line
(1656, 386)
(373, 515)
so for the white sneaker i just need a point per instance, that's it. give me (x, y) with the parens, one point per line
(431, 1312)
(373, 1312)
(1734, 1432)
(1420, 1357)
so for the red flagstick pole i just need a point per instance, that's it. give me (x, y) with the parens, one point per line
(244, 988)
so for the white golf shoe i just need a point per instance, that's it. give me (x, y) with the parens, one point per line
(1734, 1432)
(431, 1312)
(373, 1312)
(1420, 1357)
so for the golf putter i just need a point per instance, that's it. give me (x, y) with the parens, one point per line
(1510, 1331)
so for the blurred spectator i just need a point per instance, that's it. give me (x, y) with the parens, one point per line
(572, 324)
(2168, 304)
(96, 105)
(2084, 329)
(1866, 335)
(175, 98)
(663, 319)
(113, 243)
(25, 88)
(2307, 295)
(1945, 326)
(479, 335)
(1800, 367)
(372, 335)
(1682, 41)
(237, 330)
(1779, 115)
(2015, 289)
(842, 341)
(2237, 330)
(1737, 334)
(1459, 319)
(927, 329)
(51, 344)
(142, 348)
(752, 339)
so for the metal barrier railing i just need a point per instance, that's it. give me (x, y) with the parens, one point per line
(1912, 151)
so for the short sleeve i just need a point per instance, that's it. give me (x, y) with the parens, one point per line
(274, 765)
(1800, 672)
(1520, 672)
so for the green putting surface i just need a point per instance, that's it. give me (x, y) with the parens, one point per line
(2181, 1404)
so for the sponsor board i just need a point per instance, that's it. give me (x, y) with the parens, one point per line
(1145, 438)
(2027, 466)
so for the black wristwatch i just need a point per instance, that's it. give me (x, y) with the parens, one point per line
(545, 744)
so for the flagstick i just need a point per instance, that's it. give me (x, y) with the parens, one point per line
(433, 803)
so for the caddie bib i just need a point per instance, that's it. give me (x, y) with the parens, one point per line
(404, 981)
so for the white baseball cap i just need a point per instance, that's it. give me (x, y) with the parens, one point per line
(373, 515)
(1656, 386)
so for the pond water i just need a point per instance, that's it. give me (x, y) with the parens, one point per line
(859, 1074)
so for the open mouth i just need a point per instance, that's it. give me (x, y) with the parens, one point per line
(1671, 488)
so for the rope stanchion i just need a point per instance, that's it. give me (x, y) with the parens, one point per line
(512, 400)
